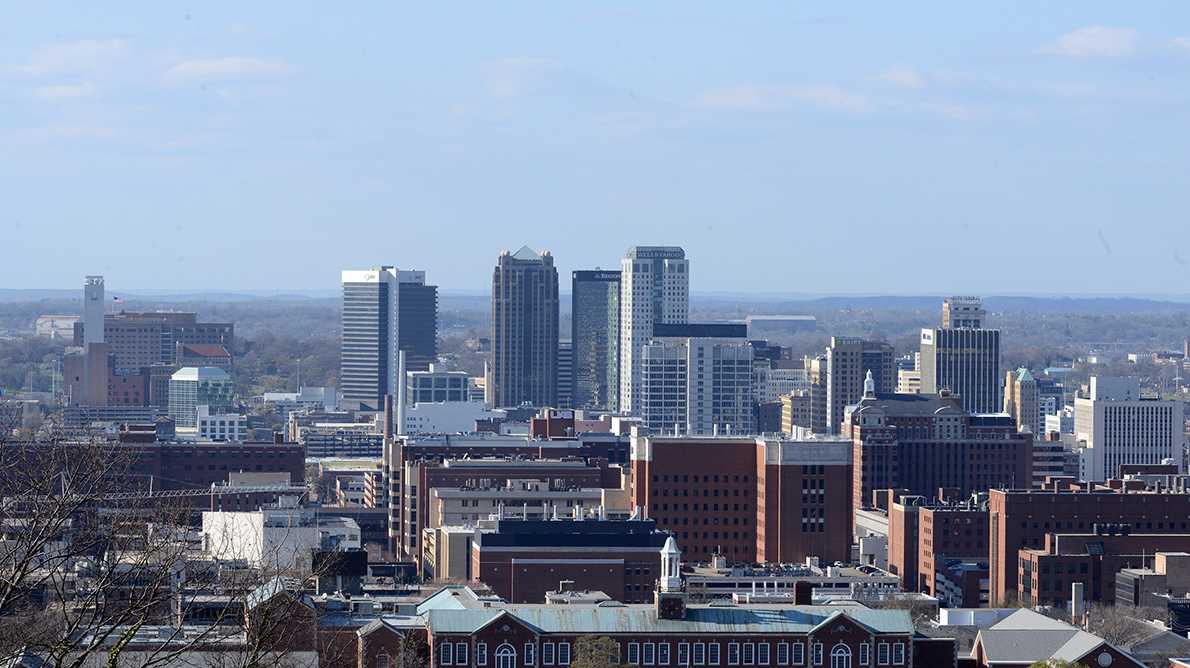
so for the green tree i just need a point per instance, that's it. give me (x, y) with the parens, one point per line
(1056, 663)
(595, 652)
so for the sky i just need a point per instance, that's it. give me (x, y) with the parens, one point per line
(893, 148)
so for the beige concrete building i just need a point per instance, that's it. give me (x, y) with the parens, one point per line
(1020, 401)
(519, 498)
(848, 360)
(446, 553)
(908, 381)
(795, 411)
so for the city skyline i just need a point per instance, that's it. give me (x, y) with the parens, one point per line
(1055, 141)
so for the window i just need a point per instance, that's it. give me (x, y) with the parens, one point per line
(799, 653)
(505, 656)
(382, 661)
(634, 653)
(749, 654)
(865, 649)
(733, 654)
(446, 655)
(563, 654)
(662, 654)
(818, 654)
(882, 654)
(650, 656)
(700, 654)
(899, 653)
(461, 653)
(762, 653)
(782, 654)
(530, 655)
(841, 656)
(683, 654)
(712, 654)
(481, 654)
(547, 653)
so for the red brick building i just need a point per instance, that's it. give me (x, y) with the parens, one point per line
(751, 499)
(127, 387)
(903, 538)
(921, 442)
(1060, 527)
(461, 631)
(953, 552)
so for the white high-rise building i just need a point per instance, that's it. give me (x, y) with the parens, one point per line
(385, 310)
(697, 379)
(93, 307)
(654, 289)
(1116, 426)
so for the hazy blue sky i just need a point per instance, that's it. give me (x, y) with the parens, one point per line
(893, 147)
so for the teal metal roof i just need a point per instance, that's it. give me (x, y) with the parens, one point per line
(643, 619)
(446, 598)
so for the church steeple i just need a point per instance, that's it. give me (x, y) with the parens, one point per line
(869, 386)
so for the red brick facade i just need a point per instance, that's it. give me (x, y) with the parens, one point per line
(753, 500)
(921, 443)
(1020, 519)
(508, 641)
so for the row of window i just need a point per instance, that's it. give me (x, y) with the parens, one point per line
(749, 653)
(688, 654)
(455, 654)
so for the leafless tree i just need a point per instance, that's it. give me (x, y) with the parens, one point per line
(90, 563)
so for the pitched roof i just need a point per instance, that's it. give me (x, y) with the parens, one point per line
(526, 253)
(205, 349)
(629, 619)
(1026, 636)
(291, 587)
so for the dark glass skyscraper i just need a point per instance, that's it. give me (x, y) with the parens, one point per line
(524, 330)
(595, 333)
(962, 357)
(384, 310)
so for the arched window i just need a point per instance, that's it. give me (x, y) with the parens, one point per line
(506, 656)
(841, 656)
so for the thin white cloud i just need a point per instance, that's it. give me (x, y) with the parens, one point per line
(1181, 44)
(1094, 42)
(513, 77)
(226, 69)
(751, 97)
(903, 76)
(66, 92)
(62, 133)
(73, 57)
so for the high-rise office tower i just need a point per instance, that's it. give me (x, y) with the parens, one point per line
(595, 338)
(86, 373)
(698, 379)
(565, 374)
(1021, 401)
(1115, 425)
(816, 379)
(963, 313)
(94, 304)
(385, 310)
(524, 330)
(848, 360)
(654, 290)
(963, 357)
